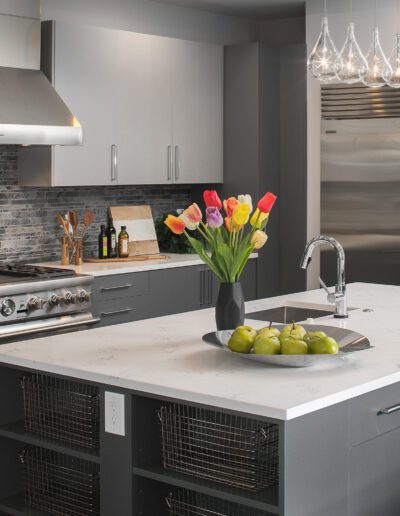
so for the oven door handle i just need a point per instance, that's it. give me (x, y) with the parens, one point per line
(51, 324)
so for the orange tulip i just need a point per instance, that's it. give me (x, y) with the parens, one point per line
(228, 224)
(175, 224)
(230, 205)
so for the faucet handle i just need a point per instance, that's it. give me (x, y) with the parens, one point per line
(331, 295)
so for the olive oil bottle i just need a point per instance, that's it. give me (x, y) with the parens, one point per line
(103, 243)
(123, 243)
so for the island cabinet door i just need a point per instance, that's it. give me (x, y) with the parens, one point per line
(374, 476)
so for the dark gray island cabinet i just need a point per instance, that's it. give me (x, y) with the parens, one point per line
(342, 460)
(120, 298)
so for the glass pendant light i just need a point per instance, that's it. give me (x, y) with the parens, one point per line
(379, 70)
(324, 61)
(394, 59)
(354, 65)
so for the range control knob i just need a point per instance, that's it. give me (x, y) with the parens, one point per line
(70, 298)
(35, 303)
(84, 296)
(55, 300)
(7, 307)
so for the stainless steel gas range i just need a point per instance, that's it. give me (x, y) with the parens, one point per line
(42, 300)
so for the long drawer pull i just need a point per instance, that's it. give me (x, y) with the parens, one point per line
(389, 410)
(115, 312)
(119, 287)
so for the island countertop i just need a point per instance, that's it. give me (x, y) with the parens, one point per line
(166, 357)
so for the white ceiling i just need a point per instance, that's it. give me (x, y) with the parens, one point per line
(247, 8)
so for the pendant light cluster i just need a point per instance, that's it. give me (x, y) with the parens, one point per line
(350, 65)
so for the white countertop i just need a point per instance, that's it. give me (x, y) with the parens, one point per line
(108, 268)
(166, 356)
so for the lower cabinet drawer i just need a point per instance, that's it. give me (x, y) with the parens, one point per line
(374, 414)
(120, 286)
(116, 312)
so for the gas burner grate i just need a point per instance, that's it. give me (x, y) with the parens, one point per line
(33, 271)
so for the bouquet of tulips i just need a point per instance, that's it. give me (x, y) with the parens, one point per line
(228, 241)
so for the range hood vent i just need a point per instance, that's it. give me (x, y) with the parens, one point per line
(349, 102)
(32, 113)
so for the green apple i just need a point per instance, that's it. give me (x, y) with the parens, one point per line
(266, 345)
(311, 335)
(293, 346)
(293, 330)
(323, 346)
(242, 339)
(269, 331)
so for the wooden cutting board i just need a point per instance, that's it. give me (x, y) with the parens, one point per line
(140, 227)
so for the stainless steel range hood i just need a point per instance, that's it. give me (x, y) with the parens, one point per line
(32, 112)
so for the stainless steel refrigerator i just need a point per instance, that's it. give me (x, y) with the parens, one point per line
(360, 181)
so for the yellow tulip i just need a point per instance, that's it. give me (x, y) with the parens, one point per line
(259, 239)
(240, 216)
(258, 218)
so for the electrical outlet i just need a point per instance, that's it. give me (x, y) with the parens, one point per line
(114, 413)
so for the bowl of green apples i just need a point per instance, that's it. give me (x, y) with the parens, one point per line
(291, 345)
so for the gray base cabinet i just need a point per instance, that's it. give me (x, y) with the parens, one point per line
(324, 468)
(129, 297)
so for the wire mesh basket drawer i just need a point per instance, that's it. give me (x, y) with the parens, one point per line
(60, 484)
(190, 503)
(61, 409)
(227, 449)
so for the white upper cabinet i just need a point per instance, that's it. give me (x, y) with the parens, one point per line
(197, 85)
(144, 110)
(150, 108)
(85, 77)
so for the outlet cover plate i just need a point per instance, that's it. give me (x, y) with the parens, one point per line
(114, 413)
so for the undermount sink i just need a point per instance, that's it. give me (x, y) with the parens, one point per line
(288, 314)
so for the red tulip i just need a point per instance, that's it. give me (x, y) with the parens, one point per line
(175, 224)
(265, 203)
(211, 199)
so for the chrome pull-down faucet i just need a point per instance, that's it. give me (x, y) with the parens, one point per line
(339, 296)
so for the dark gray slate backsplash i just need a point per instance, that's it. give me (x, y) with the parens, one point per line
(28, 228)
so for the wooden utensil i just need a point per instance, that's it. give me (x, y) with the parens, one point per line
(87, 221)
(73, 216)
(64, 225)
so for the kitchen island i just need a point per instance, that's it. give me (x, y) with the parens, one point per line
(338, 452)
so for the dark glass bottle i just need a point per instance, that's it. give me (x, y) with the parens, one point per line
(112, 241)
(103, 243)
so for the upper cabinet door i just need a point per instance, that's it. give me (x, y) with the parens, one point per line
(85, 77)
(144, 110)
(197, 83)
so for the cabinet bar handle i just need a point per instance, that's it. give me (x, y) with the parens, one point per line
(202, 285)
(210, 288)
(177, 163)
(114, 162)
(106, 289)
(389, 410)
(123, 311)
(169, 167)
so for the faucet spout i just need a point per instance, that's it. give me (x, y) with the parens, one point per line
(340, 288)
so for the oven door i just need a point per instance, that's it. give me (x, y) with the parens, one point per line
(45, 327)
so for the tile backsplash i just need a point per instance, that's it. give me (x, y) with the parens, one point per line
(28, 228)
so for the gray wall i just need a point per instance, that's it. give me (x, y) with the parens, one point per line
(153, 18)
(28, 228)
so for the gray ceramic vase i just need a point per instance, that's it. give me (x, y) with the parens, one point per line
(229, 310)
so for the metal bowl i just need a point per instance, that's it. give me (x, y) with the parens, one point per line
(349, 342)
